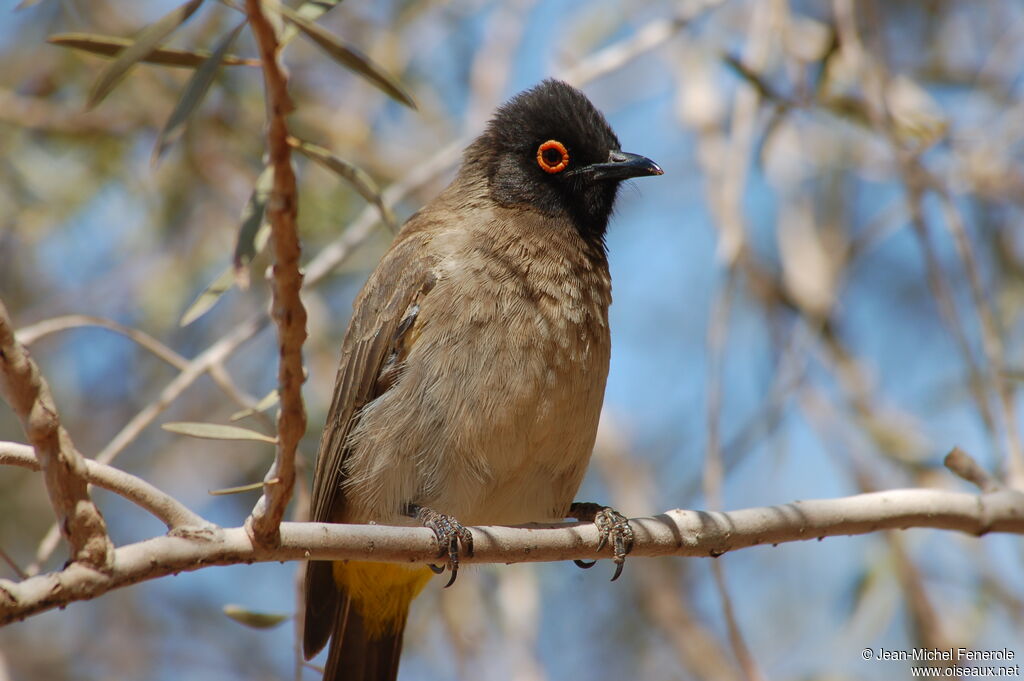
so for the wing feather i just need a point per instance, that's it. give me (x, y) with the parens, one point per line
(379, 320)
(380, 330)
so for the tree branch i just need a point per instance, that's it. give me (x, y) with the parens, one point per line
(204, 362)
(25, 389)
(964, 465)
(172, 512)
(28, 335)
(286, 309)
(991, 341)
(674, 533)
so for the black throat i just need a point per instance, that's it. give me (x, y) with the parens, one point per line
(585, 204)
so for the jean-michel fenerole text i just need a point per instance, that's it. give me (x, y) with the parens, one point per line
(945, 654)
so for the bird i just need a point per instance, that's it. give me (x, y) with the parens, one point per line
(473, 369)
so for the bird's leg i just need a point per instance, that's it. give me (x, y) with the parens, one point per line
(611, 526)
(449, 533)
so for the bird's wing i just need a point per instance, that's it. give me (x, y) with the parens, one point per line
(379, 334)
(381, 329)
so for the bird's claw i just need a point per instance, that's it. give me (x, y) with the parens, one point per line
(612, 527)
(450, 533)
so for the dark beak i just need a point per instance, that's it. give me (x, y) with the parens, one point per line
(622, 166)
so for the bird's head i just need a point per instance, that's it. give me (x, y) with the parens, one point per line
(549, 149)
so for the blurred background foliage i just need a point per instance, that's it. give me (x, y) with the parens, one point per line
(820, 297)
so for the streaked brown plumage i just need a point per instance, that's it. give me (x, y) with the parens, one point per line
(474, 366)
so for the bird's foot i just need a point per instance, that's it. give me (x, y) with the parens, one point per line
(612, 527)
(450, 533)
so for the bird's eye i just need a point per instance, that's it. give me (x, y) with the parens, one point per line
(552, 156)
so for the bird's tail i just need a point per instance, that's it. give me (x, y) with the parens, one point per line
(356, 656)
(370, 620)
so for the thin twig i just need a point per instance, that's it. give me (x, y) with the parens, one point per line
(29, 335)
(927, 626)
(10, 561)
(718, 331)
(740, 649)
(938, 284)
(210, 357)
(915, 180)
(44, 114)
(25, 389)
(647, 37)
(287, 309)
(964, 465)
(991, 340)
(674, 614)
(169, 510)
(733, 248)
(927, 623)
(663, 595)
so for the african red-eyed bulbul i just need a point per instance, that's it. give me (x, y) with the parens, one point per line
(474, 366)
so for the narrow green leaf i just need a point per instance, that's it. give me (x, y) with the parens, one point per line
(225, 491)
(146, 41)
(111, 46)
(268, 401)
(348, 57)
(195, 90)
(355, 176)
(256, 620)
(209, 297)
(311, 10)
(247, 245)
(216, 431)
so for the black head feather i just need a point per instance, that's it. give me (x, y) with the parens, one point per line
(507, 153)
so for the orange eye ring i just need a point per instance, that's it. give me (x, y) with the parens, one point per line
(547, 161)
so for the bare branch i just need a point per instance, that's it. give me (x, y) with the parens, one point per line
(286, 309)
(917, 181)
(30, 334)
(162, 505)
(964, 465)
(662, 589)
(12, 564)
(646, 38)
(674, 533)
(927, 625)
(737, 640)
(205, 361)
(732, 245)
(991, 341)
(25, 389)
(938, 283)
(40, 113)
